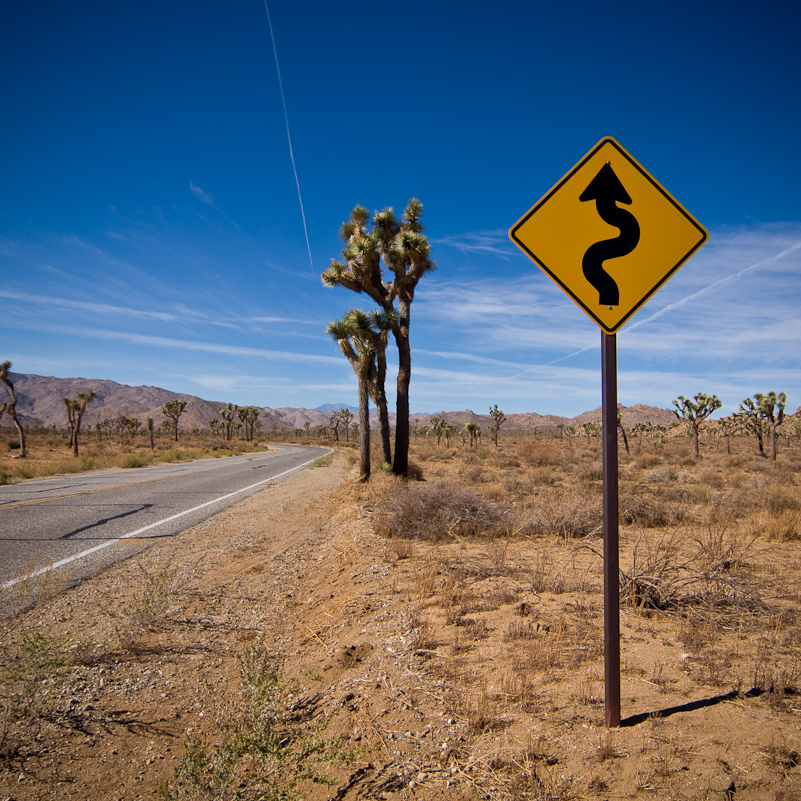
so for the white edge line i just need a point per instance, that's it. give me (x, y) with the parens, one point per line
(68, 559)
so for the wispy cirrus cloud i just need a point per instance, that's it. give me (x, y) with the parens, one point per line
(495, 242)
(283, 320)
(201, 195)
(217, 348)
(95, 308)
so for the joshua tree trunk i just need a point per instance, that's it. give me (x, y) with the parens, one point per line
(401, 332)
(625, 438)
(379, 396)
(364, 424)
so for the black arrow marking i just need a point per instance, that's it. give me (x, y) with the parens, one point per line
(606, 190)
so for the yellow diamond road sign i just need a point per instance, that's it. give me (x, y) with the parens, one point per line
(609, 234)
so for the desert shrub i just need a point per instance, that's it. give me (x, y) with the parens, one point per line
(702, 493)
(440, 511)
(673, 572)
(566, 513)
(538, 454)
(646, 460)
(425, 452)
(517, 488)
(3, 478)
(474, 474)
(545, 476)
(590, 472)
(660, 475)
(649, 510)
(148, 606)
(271, 746)
(779, 498)
(783, 527)
(713, 478)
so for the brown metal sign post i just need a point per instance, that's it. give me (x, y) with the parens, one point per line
(611, 554)
(567, 234)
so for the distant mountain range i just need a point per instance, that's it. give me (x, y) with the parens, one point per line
(40, 402)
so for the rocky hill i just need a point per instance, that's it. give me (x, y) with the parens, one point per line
(40, 402)
(529, 421)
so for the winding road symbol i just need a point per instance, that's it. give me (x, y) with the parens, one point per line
(607, 191)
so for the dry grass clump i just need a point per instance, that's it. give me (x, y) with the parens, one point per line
(678, 570)
(440, 512)
(565, 512)
(783, 527)
(590, 472)
(644, 461)
(660, 475)
(650, 508)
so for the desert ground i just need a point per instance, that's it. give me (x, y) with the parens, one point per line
(435, 638)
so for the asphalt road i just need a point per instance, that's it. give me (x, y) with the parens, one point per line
(89, 521)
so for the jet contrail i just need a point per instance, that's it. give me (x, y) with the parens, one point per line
(288, 136)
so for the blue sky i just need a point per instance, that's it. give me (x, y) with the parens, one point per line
(151, 231)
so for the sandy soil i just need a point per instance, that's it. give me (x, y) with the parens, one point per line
(463, 670)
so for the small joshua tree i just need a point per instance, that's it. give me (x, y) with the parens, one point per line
(174, 410)
(438, 426)
(498, 419)
(75, 410)
(249, 415)
(771, 410)
(728, 426)
(346, 417)
(228, 414)
(695, 412)
(10, 407)
(750, 415)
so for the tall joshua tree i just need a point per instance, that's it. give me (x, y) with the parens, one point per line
(695, 412)
(400, 249)
(10, 407)
(75, 410)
